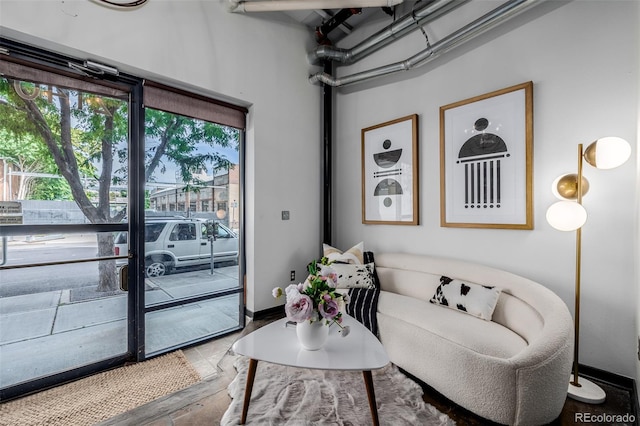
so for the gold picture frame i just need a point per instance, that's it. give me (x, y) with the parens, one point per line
(486, 160)
(390, 172)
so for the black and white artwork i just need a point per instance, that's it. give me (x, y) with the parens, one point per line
(485, 149)
(389, 172)
(482, 156)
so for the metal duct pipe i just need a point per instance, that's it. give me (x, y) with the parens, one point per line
(475, 28)
(399, 28)
(281, 5)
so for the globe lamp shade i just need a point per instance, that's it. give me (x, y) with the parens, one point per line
(608, 153)
(565, 187)
(566, 215)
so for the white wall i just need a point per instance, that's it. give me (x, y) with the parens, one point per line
(261, 64)
(583, 58)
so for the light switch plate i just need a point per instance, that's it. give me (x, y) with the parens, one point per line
(285, 214)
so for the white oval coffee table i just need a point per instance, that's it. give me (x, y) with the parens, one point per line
(277, 343)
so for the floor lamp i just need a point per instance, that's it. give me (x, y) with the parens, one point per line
(570, 215)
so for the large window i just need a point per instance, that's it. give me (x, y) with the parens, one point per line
(107, 253)
(192, 160)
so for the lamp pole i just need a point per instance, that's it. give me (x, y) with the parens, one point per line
(584, 391)
(576, 319)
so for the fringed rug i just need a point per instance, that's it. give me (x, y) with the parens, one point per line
(300, 397)
(101, 396)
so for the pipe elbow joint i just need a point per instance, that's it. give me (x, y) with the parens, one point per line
(322, 77)
(315, 78)
(321, 53)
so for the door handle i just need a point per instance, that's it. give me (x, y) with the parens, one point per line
(170, 245)
(203, 244)
(124, 278)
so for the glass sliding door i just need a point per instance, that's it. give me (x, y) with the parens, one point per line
(63, 161)
(192, 225)
(120, 225)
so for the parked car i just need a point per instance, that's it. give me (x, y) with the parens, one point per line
(172, 243)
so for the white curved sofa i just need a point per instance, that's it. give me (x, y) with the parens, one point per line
(512, 370)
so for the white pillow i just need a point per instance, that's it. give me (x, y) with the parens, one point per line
(354, 255)
(474, 299)
(354, 276)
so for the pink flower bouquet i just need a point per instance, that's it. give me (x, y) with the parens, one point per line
(316, 299)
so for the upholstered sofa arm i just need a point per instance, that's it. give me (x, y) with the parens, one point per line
(543, 368)
(541, 388)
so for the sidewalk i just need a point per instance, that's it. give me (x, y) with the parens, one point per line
(51, 239)
(50, 332)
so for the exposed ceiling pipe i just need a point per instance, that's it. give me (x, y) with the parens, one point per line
(408, 23)
(344, 27)
(283, 5)
(334, 22)
(486, 22)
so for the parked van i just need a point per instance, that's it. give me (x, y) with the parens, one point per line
(172, 243)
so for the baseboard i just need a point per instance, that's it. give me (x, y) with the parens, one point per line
(265, 313)
(609, 378)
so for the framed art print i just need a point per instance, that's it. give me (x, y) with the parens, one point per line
(390, 172)
(486, 160)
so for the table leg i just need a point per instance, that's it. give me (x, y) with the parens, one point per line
(368, 383)
(251, 374)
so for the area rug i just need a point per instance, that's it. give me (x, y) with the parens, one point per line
(300, 397)
(101, 396)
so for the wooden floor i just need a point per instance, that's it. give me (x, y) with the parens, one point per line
(206, 402)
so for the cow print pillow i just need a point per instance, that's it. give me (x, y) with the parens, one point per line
(354, 276)
(474, 299)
